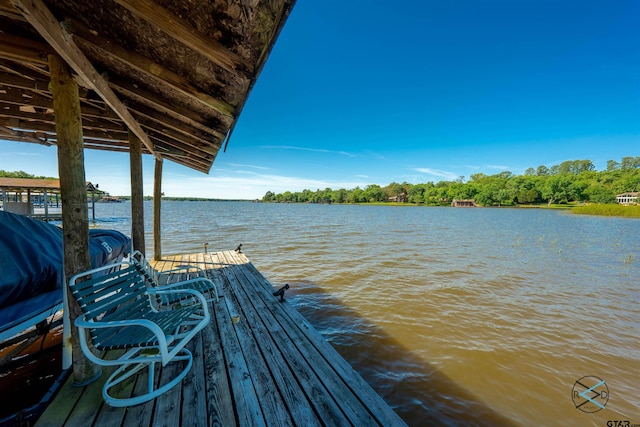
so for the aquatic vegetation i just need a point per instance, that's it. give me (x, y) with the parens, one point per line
(608, 210)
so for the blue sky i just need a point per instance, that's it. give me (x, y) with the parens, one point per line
(365, 92)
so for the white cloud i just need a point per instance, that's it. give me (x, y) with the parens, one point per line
(315, 150)
(498, 167)
(449, 176)
(240, 165)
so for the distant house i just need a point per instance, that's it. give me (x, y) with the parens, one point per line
(628, 198)
(464, 203)
(400, 198)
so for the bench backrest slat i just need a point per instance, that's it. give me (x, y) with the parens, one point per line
(124, 288)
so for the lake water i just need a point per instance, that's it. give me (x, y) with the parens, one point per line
(455, 316)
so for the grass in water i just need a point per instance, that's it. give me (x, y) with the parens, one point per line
(608, 210)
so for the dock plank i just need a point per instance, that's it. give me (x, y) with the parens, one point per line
(246, 404)
(257, 363)
(249, 334)
(218, 390)
(287, 363)
(309, 364)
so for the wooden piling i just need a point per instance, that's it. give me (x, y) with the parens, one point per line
(73, 190)
(137, 197)
(157, 202)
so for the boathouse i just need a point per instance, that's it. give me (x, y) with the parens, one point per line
(464, 203)
(168, 79)
(38, 198)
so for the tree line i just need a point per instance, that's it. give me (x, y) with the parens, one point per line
(21, 174)
(570, 181)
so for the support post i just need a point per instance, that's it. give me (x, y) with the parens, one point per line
(157, 196)
(93, 204)
(45, 197)
(73, 191)
(137, 197)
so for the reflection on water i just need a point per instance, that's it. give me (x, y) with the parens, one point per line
(455, 316)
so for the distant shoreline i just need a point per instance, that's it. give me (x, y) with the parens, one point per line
(611, 209)
(186, 199)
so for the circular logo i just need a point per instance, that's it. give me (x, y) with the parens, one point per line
(590, 394)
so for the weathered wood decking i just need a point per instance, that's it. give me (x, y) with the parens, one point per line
(258, 363)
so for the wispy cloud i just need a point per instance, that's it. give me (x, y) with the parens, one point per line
(315, 150)
(241, 165)
(25, 153)
(450, 176)
(498, 167)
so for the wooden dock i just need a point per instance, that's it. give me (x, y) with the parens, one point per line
(258, 363)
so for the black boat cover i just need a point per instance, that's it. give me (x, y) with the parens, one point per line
(31, 270)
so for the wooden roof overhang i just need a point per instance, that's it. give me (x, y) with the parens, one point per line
(24, 184)
(174, 73)
(36, 184)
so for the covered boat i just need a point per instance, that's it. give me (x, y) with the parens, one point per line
(32, 272)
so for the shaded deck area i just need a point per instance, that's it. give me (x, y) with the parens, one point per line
(258, 363)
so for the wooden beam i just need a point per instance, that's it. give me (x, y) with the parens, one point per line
(73, 190)
(150, 69)
(100, 133)
(41, 18)
(25, 136)
(23, 50)
(137, 199)
(185, 33)
(157, 202)
(11, 110)
(178, 140)
(175, 126)
(173, 120)
(20, 82)
(146, 97)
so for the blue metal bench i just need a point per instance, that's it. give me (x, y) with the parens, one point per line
(120, 312)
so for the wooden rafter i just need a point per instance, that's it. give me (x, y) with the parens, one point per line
(180, 30)
(20, 82)
(175, 121)
(12, 134)
(116, 134)
(188, 143)
(23, 50)
(156, 103)
(39, 16)
(150, 69)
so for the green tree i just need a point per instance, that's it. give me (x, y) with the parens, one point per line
(556, 189)
(542, 170)
(599, 194)
(269, 197)
(374, 193)
(630, 163)
(612, 165)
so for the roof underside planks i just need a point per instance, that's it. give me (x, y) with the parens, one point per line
(175, 73)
